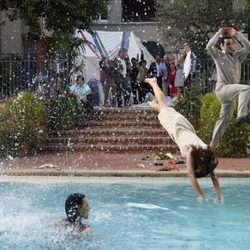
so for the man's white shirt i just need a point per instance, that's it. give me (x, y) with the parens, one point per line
(187, 64)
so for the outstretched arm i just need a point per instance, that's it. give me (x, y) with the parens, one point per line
(192, 177)
(216, 186)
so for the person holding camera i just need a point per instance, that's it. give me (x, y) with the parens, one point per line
(228, 65)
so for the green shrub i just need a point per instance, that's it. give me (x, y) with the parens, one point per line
(65, 112)
(235, 140)
(189, 106)
(24, 125)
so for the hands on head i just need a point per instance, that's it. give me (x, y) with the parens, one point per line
(229, 31)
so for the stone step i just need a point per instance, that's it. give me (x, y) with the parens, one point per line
(112, 148)
(112, 140)
(115, 130)
(130, 110)
(120, 124)
(112, 132)
(122, 117)
(124, 114)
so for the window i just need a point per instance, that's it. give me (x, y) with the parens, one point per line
(138, 10)
(104, 12)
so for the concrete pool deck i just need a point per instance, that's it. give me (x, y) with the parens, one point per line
(106, 164)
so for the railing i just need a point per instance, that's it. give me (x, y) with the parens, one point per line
(206, 74)
(21, 73)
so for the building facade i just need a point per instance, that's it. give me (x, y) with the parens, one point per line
(127, 15)
(139, 16)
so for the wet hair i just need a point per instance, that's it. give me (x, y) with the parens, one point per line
(72, 205)
(79, 77)
(204, 161)
(222, 40)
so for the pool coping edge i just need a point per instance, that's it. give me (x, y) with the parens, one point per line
(116, 173)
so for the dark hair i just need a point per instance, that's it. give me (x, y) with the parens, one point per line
(204, 161)
(72, 205)
(184, 53)
(142, 61)
(222, 40)
(172, 63)
(121, 50)
(80, 77)
(187, 43)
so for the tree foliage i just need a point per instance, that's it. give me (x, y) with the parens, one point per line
(195, 20)
(57, 19)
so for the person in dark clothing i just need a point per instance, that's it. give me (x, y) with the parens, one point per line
(154, 70)
(144, 88)
(121, 79)
(135, 85)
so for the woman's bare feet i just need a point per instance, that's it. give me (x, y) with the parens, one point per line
(154, 104)
(151, 81)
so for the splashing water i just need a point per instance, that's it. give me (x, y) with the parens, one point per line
(125, 216)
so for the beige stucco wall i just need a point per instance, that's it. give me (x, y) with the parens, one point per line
(146, 31)
(11, 33)
(240, 4)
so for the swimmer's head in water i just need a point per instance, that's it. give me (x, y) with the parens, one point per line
(76, 208)
(204, 161)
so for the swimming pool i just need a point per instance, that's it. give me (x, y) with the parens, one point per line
(126, 215)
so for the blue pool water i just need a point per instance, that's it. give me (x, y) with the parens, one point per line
(126, 216)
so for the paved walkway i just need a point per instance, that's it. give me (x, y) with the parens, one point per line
(104, 161)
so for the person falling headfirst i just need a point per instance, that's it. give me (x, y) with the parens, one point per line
(200, 158)
(228, 66)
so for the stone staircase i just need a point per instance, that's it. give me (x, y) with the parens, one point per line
(115, 130)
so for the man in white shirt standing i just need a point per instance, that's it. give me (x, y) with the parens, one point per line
(189, 65)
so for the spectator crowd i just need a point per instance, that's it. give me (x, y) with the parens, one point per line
(123, 79)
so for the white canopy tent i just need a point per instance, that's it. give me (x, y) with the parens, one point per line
(106, 44)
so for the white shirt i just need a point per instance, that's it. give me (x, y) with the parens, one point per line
(187, 64)
(180, 129)
(124, 66)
